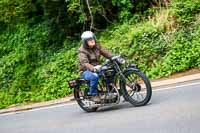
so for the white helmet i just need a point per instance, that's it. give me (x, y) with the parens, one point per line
(86, 35)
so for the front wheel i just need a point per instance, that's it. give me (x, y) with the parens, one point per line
(136, 88)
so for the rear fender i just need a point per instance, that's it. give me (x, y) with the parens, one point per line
(74, 83)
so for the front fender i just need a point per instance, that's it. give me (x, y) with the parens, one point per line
(131, 69)
(132, 66)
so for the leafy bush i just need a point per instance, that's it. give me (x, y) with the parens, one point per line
(142, 43)
(184, 11)
(183, 54)
(31, 71)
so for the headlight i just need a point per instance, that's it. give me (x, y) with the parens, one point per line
(121, 60)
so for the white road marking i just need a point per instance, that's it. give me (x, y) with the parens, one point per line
(175, 87)
(73, 103)
(41, 108)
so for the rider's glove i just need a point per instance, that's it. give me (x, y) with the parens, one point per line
(97, 68)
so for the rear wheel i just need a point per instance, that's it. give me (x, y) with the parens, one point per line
(80, 95)
(137, 88)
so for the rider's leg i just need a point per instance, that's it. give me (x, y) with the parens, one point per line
(93, 78)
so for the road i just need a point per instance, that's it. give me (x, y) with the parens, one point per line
(172, 109)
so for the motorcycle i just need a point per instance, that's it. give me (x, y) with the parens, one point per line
(117, 79)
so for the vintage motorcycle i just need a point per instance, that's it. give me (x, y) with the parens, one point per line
(117, 79)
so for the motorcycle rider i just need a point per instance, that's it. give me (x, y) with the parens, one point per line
(89, 55)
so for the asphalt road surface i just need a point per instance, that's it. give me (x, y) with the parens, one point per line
(172, 109)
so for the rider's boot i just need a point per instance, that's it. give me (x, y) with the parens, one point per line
(96, 98)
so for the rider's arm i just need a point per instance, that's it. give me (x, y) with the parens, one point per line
(105, 52)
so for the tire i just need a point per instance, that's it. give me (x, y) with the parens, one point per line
(132, 87)
(80, 95)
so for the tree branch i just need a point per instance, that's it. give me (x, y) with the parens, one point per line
(92, 20)
(84, 14)
(104, 13)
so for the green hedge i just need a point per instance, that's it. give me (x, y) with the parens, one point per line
(29, 70)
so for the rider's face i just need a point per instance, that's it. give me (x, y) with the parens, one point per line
(91, 43)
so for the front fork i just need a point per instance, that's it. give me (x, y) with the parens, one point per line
(124, 80)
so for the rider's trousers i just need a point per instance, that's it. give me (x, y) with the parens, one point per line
(93, 78)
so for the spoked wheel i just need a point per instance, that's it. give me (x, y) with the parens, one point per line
(80, 95)
(137, 88)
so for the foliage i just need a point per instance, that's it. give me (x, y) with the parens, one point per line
(39, 41)
(141, 43)
(184, 10)
(183, 54)
(160, 45)
(31, 72)
(14, 11)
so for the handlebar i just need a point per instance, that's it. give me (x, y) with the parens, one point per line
(110, 60)
(115, 57)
